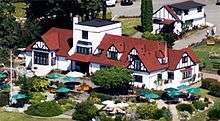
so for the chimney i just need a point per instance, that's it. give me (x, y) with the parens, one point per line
(165, 51)
(75, 21)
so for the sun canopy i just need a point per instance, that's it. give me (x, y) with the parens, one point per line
(75, 74)
(173, 93)
(63, 90)
(19, 96)
(69, 79)
(170, 89)
(194, 90)
(3, 75)
(55, 76)
(150, 95)
(183, 87)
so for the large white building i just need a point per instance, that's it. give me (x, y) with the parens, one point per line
(97, 44)
(179, 17)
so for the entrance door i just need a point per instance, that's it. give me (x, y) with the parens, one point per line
(82, 67)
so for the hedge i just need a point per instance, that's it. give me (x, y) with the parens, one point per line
(199, 105)
(206, 83)
(185, 107)
(4, 98)
(45, 109)
(214, 112)
(101, 96)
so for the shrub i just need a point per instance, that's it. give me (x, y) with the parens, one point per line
(67, 104)
(185, 107)
(85, 111)
(206, 83)
(45, 109)
(215, 89)
(39, 84)
(37, 97)
(163, 113)
(214, 112)
(101, 96)
(199, 105)
(146, 111)
(150, 36)
(4, 98)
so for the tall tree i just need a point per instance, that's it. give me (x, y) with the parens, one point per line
(9, 27)
(146, 15)
(91, 8)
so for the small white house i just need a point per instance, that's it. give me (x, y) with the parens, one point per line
(179, 17)
(98, 44)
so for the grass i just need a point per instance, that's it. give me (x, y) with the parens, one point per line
(202, 116)
(11, 116)
(129, 24)
(20, 9)
(202, 52)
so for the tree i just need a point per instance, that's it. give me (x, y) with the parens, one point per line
(91, 8)
(115, 78)
(85, 111)
(169, 38)
(146, 15)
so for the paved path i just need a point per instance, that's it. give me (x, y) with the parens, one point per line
(174, 112)
(208, 75)
(194, 38)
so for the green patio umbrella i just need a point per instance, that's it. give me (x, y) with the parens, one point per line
(170, 89)
(173, 93)
(194, 90)
(69, 79)
(3, 75)
(183, 86)
(54, 75)
(19, 96)
(150, 95)
(63, 90)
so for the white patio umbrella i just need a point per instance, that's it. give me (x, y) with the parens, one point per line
(122, 105)
(108, 102)
(75, 74)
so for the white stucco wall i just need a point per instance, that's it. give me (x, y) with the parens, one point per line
(62, 64)
(95, 34)
(193, 14)
(28, 59)
(163, 13)
(93, 67)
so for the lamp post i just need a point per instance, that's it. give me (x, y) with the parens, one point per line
(11, 82)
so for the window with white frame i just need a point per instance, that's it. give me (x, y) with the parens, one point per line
(41, 58)
(187, 74)
(112, 53)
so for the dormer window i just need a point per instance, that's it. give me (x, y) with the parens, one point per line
(199, 9)
(186, 12)
(112, 53)
(135, 61)
(184, 59)
(85, 34)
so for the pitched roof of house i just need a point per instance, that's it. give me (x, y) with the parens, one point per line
(97, 22)
(175, 56)
(172, 12)
(56, 39)
(186, 5)
(148, 52)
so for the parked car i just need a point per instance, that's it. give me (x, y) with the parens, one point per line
(111, 3)
(126, 2)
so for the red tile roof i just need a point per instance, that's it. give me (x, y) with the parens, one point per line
(148, 51)
(176, 55)
(56, 39)
(172, 12)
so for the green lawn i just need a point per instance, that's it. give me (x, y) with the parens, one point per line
(129, 24)
(202, 52)
(201, 116)
(6, 116)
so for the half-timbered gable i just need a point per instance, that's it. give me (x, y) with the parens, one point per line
(112, 53)
(185, 61)
(40, 45)
(135, 62)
